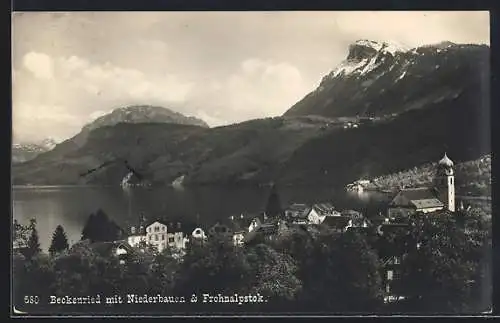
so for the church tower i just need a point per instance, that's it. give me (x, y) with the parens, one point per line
(445, 182)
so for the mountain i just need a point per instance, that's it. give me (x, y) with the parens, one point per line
(143, 114)
(419, 102)
(160, 153)
(22, 152)
(381, 79)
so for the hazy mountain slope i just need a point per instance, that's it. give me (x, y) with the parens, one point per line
(22, 152)
(377, 79)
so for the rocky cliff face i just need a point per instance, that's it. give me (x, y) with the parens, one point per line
(380, 79)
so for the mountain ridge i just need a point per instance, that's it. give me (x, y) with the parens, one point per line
(362, 124)
(365, 83)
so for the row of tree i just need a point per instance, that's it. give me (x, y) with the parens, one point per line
(444, 269)
(98, 228)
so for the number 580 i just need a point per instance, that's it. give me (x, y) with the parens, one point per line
(31, 299)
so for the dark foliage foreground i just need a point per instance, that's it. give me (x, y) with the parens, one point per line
(445, 269)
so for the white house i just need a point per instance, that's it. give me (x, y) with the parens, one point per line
(319, 212)
(160, 235)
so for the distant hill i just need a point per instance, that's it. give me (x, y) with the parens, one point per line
(143, 114)
(22, 152)
(160, 153)
(384, 110)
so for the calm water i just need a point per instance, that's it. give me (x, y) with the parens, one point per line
(71, 206)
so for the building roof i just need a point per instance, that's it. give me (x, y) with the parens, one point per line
(353, 214)
(427, 203)
(108, 247)
(241, 223)
(324, 208)
(408, 197)
(265, 229)
(337, 222)
(302, 210)
(173, 226)
(445, 161)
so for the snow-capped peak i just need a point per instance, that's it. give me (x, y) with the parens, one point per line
(389, 47)
(41, 145)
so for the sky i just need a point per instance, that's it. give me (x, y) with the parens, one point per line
(223, 67)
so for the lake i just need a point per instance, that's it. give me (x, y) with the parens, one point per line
(71, 206)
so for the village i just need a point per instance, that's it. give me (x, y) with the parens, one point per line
(243, 229)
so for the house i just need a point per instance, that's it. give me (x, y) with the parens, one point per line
(266, 231)
(137, 236)
(425, 199)
(320, 211)
(337, 223)
(240, 226)
(159, 234)
(412, 200)
(298, 213)
(357, 220)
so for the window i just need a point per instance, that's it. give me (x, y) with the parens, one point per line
(150, 237)
(171, 240)
(451, 180)
(163, 237)
(157, 229)
(156, 237)
(389, 275)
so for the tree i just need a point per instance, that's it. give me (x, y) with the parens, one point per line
(84, 271)
(214, 266)
(21, 233)
(438, 273)
(274, 275)
(100, 228)
(33, 245)
(59, 241)
(340, 272)
(273, 206)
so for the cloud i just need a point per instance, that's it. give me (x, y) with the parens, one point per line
(416, 28)
(31, 120)
(74, 66)
(73, 90)
(257, 89)
(39, 64)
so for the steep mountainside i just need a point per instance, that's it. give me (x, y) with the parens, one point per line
(421, 102)
(26, 151)
(379, 79)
